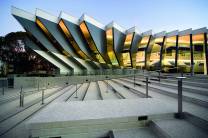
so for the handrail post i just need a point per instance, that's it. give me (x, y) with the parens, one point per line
(42, 96)
(76, 92)
(192, 70)
(21, 97)
(147, 81)
(180, 95)
(38, 85)
(134, 78)
(159, 74)
(2, 87)
(107, 82)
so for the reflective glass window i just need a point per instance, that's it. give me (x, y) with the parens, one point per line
(169, 54)
(110, 49)
(126, 59)
(199, 53)
(126, 51)
(154, 55)
(91, 43)
(140, 55)
(70, 38)
(51, 38)
(184, 53)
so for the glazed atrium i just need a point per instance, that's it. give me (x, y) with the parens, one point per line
(85, 46)
(109, 82)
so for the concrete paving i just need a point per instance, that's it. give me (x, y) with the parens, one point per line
(144, 132)
(98, 109)
(80, 93)
(197, 110)
(14, 122)
(188, 94)
(180, 128)
(60, 117)
(106, 92)
(92, 92)
(14, 106)
(125, 92)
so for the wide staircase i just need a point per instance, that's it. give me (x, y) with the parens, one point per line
(113, 95)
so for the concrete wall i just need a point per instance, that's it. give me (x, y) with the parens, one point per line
(44, 82)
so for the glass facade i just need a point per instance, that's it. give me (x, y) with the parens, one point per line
(154, 54)
(91, 44)
(71, 40)
(199, 57)
(140, 55)
(184, 53)
(169, 54)
(51, 38)
(126, 51)
(110, 47)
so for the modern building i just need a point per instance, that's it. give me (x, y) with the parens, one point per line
(85, 46)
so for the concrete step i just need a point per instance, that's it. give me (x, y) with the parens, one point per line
(92, 92)
(187, 88)
(106, 92)
(13, 107)
(85, 92)
(80, 93)
(16, 119)
(99, 91)
(193, 108)
(11, 94)
(179, 128)
(144, 132)
(131, 89)
(69, 95)
(187, 96)
(188, 81)
(124, 91)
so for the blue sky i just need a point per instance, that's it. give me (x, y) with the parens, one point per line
(158, 15)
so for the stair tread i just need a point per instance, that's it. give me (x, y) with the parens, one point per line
(179, 128)
(134, 133)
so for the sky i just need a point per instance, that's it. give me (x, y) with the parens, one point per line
(158, 15)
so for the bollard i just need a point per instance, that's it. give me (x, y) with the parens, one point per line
(76, 92)
(42, 96)
(38, 85)
(134, 80)
(180, 95)
(2, 87)
(147, 80)
(3, 90)
(159, 75)
(192, 70)
(21, 97)
(107, 82)
(181, 73)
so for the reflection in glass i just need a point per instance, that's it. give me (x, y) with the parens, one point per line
(86, 33)
(184, 53)
(140, 55)
(154, 55)
(110, 50)
(199, 53)
(51, 38)
(169, 54)
(70, 38)
(126, 57)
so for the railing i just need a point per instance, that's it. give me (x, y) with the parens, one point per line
(23, 93)
(3, 84)
(148, 74)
